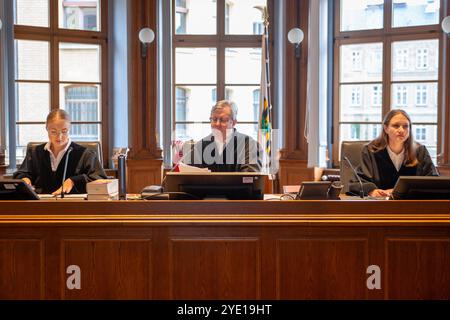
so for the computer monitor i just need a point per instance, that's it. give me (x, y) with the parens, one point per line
(216, 185)
(16, 189)
(421, 187)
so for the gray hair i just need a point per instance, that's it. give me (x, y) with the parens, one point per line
(223, 104)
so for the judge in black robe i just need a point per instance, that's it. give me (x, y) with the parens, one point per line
(377, 171)
(83, 166)
(393, 154)
(44, 165)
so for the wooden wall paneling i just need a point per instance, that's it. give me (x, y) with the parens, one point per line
(418, 268)
(110, 268)
(22, 261)
(143, 100)
(293, 172)
(215, 268)
(225, 249)
(141, 173)
(338, 272)
(295, 147)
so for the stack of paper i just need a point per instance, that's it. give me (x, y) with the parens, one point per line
(103, 189)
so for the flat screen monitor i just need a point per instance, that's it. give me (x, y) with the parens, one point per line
(16, 189)
(426, 187)
(215, 185)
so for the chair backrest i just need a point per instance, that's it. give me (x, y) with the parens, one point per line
(351, 150)
(91, 145)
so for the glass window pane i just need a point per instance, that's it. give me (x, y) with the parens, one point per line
(426, 135)
(28, 133)
(32, 60)
(241, 17)
(196, 131)
(194, 103)
(31, 12)
(33, 101)
(188, 60)
(247, 101)
(407, 13)
(195, 16)
(415, 60)
(357, 103)
(358, 131)
(85, 132)
(419, 100)
(361, 62)
(248, 129)
(79, 62)
(242, 65)
(361, 14)
(79, 15)
(82, 102)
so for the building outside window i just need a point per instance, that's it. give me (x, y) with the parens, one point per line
(410, 43)
(355, 97)
(401, 59)
(421, 95)
(376, 96)
(224, 37)
(356, 60)
(401, 96)
(422, 58)
(77, 86)
(421, 134)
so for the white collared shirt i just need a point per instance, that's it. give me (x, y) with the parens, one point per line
(397, 159)
(56, 160)
(219, 141)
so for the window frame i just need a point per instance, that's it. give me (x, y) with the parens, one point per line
(54, 36)
(387, 35)
(220, 41)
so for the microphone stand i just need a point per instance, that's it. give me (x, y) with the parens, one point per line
(361, 189)
(65, 170)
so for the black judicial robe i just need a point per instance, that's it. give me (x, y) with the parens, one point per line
(83, 167)
(377, 171)
(241, 154)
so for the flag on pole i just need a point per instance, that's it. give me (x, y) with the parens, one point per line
(265, 124)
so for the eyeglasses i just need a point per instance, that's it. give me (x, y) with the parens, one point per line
(56, 133)
(397, 126)
(221, 120)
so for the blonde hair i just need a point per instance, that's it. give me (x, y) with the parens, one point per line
(56, 115)
(409, 145)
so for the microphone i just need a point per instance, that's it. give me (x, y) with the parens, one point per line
(65, 171)
(361, 189)
(121, 174)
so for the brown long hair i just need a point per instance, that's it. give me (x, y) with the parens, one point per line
(409, 145)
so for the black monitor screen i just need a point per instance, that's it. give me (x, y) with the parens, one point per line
(427, 187)
(222, 185)
(16, 189)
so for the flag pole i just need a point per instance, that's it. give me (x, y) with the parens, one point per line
(265, 125)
